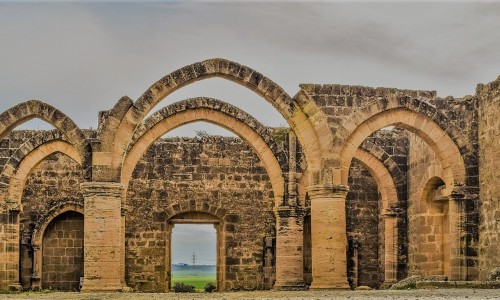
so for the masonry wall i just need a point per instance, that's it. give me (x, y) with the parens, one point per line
(424, 224)
(62, 259)
(489, 151)
(391, 148)
(204, 173)
(54, 182)
(362, 213)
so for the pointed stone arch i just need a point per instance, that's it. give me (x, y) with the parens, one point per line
(39, 232)
(126, 116)
(389, 197)
(31, 109)
(385, 113)
(386, 186)
(20, 153)
(19, 176)
(213, 111)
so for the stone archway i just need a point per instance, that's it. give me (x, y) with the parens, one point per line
(216, 112)
(41, 258)
(442, 144)
(427, 124)
(16, 180)
(256, 136)
(124, 119)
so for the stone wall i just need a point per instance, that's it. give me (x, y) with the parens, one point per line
(489, 153)
(62, 262)
(362, 209)
(210, 174)
(54, 182)
(391, 148)
(424, 239)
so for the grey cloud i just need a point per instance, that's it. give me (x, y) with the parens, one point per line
(83, 57)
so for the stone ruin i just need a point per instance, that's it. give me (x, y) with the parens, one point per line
(366, 187)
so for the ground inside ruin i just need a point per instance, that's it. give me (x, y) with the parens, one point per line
(332, 294)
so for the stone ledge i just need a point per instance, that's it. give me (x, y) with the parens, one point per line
(458, 284)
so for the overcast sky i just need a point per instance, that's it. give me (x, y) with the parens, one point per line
(198, 238)
(82, 57)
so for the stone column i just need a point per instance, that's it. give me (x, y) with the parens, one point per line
(268, 262)
(289, 249)
(390, 248)
(124, 210)
(102, 236)
(328, 234)
(456, 218)
(36, 282)
(11, 242)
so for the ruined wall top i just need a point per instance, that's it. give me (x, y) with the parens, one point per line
(491, 89)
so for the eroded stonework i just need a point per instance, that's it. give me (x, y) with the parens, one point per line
(367, 186)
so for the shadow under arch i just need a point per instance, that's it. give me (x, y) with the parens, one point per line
(389, 197)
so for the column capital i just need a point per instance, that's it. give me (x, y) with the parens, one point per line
(327, 190)
(13, 205)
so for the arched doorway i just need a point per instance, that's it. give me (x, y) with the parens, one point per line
(197, 218)
(62, 253)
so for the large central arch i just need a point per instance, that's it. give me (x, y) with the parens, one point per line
(216, 112)
(124, 118)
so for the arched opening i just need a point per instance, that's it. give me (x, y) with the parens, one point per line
(432, 231)
(244, 98)
(428, 146)
(44, 177)
(363, 224)
(126, 117)
(62, 253)
(215, 176)
(195, 244)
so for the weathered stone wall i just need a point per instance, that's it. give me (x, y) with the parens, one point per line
(224, 177)
(489, 153)
(362, 212)
(62, 264)
(209, 173)
(391, 148)
(338, 101)
(424, 238)
(55, 181)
